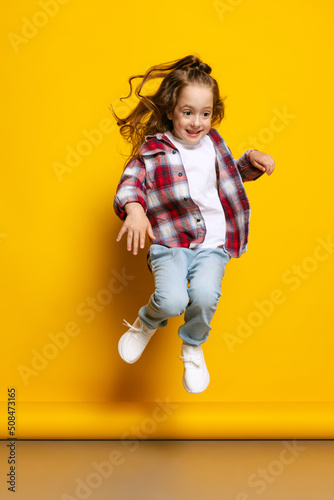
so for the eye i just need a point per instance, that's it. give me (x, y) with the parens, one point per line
(207, 114)
(187, 113)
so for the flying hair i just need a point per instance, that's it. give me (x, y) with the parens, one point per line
(150, 115)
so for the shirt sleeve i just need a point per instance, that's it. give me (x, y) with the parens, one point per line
(131, 187)
(247, 171)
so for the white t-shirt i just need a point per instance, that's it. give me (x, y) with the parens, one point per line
(199, 161)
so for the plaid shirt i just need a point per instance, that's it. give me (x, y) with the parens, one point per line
(156, 179)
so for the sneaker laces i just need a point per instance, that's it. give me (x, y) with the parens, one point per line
(189, 359)
(135, 329)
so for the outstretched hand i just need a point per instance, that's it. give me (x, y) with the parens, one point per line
(136, 225)
(262, 161)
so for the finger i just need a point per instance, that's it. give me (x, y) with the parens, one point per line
(150, 232)
(258, 165)
(129, 241)
(142, 235)
(135, 243)
(270, 168)
(120, 234)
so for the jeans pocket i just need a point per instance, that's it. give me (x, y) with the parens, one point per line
(160, 253)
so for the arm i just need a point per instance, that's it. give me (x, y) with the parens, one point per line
(131, 187)
(130, 205)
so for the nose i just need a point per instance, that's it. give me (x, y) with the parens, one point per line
(195, 122)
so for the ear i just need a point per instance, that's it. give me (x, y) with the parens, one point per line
(169, 115)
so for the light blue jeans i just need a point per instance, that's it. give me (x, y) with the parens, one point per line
(186, 281)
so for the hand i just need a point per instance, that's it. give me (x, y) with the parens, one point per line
(262, 161)
(136, 225)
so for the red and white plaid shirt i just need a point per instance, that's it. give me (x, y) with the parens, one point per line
(156, 179)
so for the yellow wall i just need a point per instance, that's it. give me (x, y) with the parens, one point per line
(65, 62)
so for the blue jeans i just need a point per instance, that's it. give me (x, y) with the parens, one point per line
(186, 281)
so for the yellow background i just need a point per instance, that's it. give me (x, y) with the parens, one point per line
(63, 64)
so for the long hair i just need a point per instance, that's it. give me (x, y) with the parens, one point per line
(150, 115)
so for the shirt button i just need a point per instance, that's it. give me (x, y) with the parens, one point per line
(180, 174)
(174, 152)
(198, 220)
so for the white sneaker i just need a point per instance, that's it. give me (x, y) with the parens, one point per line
(132, 344)
(196, 377)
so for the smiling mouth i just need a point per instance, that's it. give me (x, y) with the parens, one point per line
(193, 132)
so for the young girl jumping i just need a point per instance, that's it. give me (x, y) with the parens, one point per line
(182, 187)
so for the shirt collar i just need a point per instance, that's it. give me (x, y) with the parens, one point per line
(156, 141)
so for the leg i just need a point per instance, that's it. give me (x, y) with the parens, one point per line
(169, 267)
(169, 299)
(205, 278)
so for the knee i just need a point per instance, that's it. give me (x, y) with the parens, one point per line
(172, 303)
(205, 299)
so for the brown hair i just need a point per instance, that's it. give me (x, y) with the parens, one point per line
(150, 114)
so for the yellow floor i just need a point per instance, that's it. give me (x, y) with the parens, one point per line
(169, 470)
(165, 419)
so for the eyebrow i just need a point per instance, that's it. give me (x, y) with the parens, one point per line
(191, 107)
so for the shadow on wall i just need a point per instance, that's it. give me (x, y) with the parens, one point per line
(130, 382)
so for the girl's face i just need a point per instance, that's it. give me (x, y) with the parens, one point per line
(192, 114)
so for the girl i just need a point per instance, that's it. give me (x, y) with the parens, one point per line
(183, 188)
